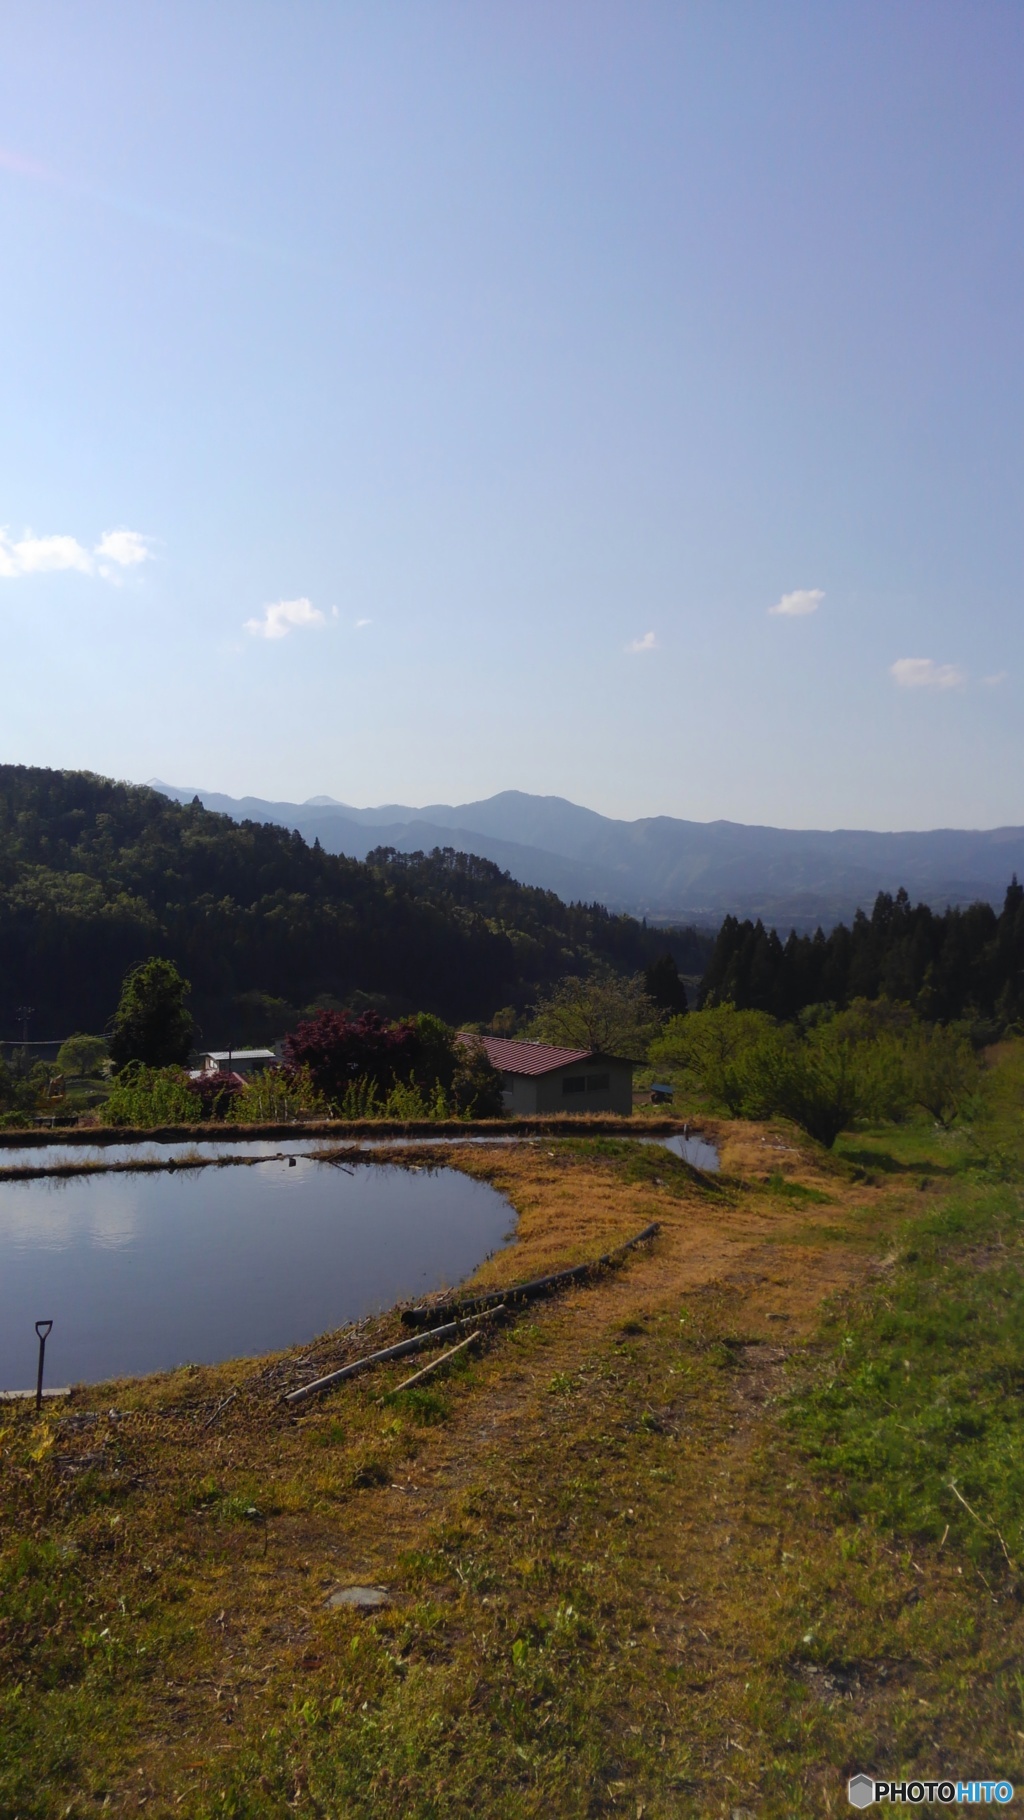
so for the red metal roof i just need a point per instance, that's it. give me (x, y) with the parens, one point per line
(512, 1057)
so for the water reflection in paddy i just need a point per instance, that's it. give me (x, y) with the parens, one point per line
(142, 1272)
(692, 1147)
(236, 1143)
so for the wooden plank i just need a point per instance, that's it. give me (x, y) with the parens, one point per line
(418, 1343)
(418, 1376)
(525, 1292)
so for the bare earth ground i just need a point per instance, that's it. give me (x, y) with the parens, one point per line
(599, 1567)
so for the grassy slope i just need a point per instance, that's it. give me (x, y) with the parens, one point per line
(674, 1545)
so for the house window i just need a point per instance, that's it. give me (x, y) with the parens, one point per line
(574, 1083)
(598, 1083)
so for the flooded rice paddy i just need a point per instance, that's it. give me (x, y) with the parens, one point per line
(143, 1272)
(221, 1149)
(692, 1148)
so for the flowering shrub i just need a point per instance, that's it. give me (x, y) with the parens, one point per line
(217, 1091)
(339, 1049)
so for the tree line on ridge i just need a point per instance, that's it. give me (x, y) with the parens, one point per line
(946, 965)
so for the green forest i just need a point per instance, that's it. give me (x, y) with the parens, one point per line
(95, 876)
(952, 964)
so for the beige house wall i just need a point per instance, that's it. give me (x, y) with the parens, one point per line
(533, 1093)
(520, 1095)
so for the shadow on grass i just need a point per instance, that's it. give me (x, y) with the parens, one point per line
(888, 1164)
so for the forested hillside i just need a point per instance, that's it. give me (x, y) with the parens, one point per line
(96, 875)
(960, 963)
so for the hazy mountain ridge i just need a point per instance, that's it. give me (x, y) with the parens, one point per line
(663, 867)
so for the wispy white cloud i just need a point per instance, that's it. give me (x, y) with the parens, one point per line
(285, 616)
(360, 623)
(993, 682)
(924, 673)
(126, 548)
(31, 555)
(647, 643)
(800, 602)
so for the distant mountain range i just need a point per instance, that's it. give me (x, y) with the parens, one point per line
(659, 867)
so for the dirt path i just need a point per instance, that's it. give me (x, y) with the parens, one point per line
(774, 1263)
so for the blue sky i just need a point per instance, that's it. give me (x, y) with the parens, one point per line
(412, 401)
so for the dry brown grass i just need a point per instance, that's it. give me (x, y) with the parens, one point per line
(228, 1606)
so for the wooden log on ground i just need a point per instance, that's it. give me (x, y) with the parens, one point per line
(525, 1292)
(418, 1343)
(428, 1370)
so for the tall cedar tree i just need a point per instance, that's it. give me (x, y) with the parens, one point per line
(152, 1023)
(665, 987)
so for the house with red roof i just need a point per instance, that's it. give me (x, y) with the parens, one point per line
(540, 1077)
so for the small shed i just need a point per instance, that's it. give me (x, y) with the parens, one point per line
(540, 1077)
(237, 1061)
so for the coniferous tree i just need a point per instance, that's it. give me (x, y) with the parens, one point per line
(665, 987)
(152, 1023)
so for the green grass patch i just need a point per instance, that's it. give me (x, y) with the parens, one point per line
(919, 1389)
(425, 1405)
(796, 1191)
